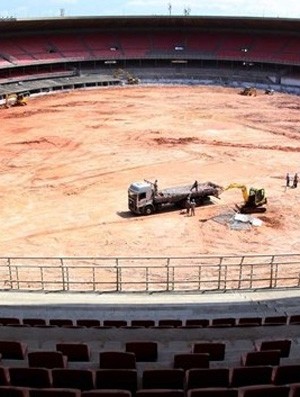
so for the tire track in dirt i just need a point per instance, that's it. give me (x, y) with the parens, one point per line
(195, 140)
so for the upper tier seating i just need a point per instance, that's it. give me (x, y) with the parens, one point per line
(28, 49)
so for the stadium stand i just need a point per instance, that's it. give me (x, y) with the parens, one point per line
(258, 51)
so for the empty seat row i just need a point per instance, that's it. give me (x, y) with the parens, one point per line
(197, 322)
(266, 352)
(127, 379)
(250, 391)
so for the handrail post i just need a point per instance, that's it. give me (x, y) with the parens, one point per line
(147, 278)
(168, 274)
(118, 277)
(241, 272)
(10, 273)
(219, 273)
(63, 273)
(271, 272)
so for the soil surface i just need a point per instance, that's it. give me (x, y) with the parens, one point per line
(67, 161)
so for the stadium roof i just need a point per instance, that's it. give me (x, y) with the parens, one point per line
(11, 25)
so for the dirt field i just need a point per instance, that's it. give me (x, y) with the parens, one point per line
(68, 159)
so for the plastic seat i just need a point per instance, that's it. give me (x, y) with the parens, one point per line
(47, 359)
(212, 392)
(89, 323)
(207, 377)
(74, 351)
(284, 345)
(223, 322)
(295, 390)
(275, 320)
(267, 357)
(13, 350)
(163, 378)
(143, 350)
(294, 319)
(160, 393)
(125, 379)
(246, 376)
(54, 392)
(115, 323)
(12, 391)
(34, 321)
(61, 322)
(191, 360)
(285, 374)
(30, 377)
(10, 321)
(117, 360)
(106, 393)
(4, 376)
(82, 379)
(249, 321)
(169, 323)
(216, 350)
(197, 322)
(143, 323)
(264, 391)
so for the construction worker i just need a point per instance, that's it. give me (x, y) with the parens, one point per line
(188, 205)
(295, 181)
(193, 206)
(195, 186)
(155, 187)
(287, 178)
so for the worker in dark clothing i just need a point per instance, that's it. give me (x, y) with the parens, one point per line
(188, 205)
(193, 206)
(195, 186)
(155, 187)
(295, 181)
(287, 178)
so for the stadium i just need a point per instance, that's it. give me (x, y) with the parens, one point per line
(98, 300)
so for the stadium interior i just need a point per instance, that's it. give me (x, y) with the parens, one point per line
(172, 344)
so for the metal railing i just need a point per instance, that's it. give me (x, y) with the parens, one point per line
(150, 274)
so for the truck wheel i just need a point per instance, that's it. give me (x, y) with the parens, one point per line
(148, 210)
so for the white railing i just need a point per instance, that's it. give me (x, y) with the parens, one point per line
(150, 274)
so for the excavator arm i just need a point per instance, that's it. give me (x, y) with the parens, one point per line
(242, 187)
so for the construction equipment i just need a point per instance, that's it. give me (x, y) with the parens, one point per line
(19, 99)
(254, 199)
(269, 91)
(144, 198)
(123, 74)
(249, 91)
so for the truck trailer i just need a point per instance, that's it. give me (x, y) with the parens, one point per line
(144, 198)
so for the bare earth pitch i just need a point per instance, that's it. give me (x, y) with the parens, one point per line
(68, 159)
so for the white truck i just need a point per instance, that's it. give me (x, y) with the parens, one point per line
(144, 198)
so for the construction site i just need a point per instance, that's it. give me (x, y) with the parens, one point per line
(67, 161)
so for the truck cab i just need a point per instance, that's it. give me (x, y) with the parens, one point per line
(140, 198)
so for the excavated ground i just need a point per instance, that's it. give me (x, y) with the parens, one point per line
(68, 159)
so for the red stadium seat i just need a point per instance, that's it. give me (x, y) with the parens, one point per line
(74, 351)
(47, 359)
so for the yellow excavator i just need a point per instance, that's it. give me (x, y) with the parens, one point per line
(19, 99)
(254, 199)
(123, 74)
